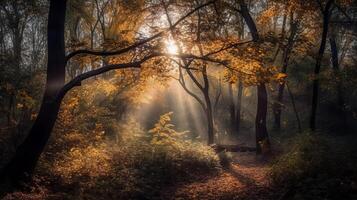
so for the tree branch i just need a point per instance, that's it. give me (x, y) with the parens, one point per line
(78, 79)
(183, 84)
(133, 46)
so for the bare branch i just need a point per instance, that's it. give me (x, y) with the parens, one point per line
(133, 46)
(194, 79)
(77, 80)
(183, 84)
(228, 47)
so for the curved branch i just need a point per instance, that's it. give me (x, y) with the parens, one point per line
(111, 53)
(78, 79)
(183, 84)
(224, 63)
(131, 47)
(194, 79)
(228, 47)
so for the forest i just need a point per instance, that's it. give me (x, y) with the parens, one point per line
(178, 99)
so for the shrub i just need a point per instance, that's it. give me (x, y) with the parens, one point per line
(316, 166)
(306, 156)
(134, 166)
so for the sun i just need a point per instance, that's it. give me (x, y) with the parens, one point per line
(171, 46)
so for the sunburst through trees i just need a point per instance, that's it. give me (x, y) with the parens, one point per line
(162, 99)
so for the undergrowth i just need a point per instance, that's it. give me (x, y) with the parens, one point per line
(316, 166)
(136, 165)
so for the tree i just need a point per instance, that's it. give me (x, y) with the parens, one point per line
(261, 132)
(232, 110)
(196, 70)
(184, 64)
(326, 12)
(294, 28)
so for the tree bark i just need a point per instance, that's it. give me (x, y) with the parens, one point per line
(28, 153)
(315, 92)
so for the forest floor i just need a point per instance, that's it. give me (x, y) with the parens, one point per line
(246, 178)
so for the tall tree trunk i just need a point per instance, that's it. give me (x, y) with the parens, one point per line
(260, 121)
(209, 110)
(340, 96)
(232, 111)
(205, 88)
(210, 122)
(249, 21)
(294, 108)
(336, 68)
(217, 98)
(326, 19)
(239, 106)
(240, 84)
(262, 139)
(286, 57)
(28, 153)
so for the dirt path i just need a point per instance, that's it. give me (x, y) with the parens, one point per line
(246, 179)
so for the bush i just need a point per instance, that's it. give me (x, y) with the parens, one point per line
(134, 166)
(316, 167)
(305, 157)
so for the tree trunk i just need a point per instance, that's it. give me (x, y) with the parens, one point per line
(326, 19)
(232, 111)
(262, 139)
(249, 20)
(260, 122)
(286, 57)
(336, 68)
(294, 107)
(239, 106)
(209, 111)
(210, 123)
(28, 153)
(340, 96)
